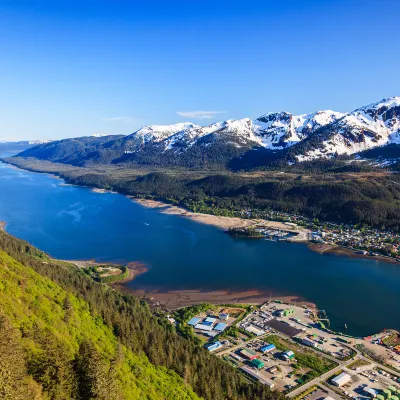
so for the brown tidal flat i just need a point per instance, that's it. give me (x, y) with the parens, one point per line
(183, 298)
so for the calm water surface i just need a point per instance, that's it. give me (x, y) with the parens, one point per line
(75, 223)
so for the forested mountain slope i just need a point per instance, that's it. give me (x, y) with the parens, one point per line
(63, 336)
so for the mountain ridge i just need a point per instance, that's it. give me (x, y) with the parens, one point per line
(290, 138)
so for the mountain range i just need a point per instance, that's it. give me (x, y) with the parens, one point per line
(272, 137)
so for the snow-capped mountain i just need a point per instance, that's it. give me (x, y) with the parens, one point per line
(377, 124)
(280, 130)
(288, 137)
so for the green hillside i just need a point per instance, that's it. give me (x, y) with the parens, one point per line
(51, 346)
(64, 336)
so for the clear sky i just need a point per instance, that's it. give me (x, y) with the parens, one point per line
(74, 68)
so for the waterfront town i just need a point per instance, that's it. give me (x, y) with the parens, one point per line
(362, 239)
(289, 348)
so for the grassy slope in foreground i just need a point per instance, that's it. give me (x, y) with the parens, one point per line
(52, 329)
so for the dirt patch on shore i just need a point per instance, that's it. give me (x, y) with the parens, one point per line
(3, 225)
(183, 298)
(134, 270)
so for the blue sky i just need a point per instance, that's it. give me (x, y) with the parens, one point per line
(70, 68)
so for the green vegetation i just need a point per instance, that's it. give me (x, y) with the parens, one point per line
(107, 273)
(66, 336)
(306, 359)
(52, 347)
(306, 392)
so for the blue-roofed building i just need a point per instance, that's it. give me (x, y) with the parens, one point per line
(213, 346)
(220, 327)
(207, 323)
(210, 319)
(194, 321)
(267, 348)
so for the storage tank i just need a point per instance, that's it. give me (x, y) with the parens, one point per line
(387, 393)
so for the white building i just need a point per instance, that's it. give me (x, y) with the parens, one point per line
(341, 379)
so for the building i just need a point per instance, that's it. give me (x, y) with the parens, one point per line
(257, 364)
(308, 342)
(194, 321)
(213, 346)
(248, 354)
(220, 327)
(254, 374)
(203, 327)
(267, 348)
(223, 316)
(210, 320)
(371, 392)
(288, 355)
(273, 369)
(341, 379)
(253, 329)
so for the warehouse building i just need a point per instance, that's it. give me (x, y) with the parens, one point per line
(213, 346)
(267, 348)
(210, 320)
(203, 327)
(248, 354)
(220, 327)
(341, 379)
(257, 363)
(288, 355)
(223, 316)
(194, 321)
(254, 375)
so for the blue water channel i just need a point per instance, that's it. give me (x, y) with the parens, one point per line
(70, 222)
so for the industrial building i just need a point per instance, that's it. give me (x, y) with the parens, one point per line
(213, 346)
(249, 354)
(341, 379)
(223, 316)
(308, 342)
(253, 329)
(254, 375)
(288, 355)
(257, 363)
(194, 321)
(220, 327)
(267, 348)
(204, 327)
(210, 320)
(370, 392)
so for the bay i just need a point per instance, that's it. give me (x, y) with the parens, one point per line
(71, 222)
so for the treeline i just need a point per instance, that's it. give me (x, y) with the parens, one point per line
(135, 327)
(373, 200)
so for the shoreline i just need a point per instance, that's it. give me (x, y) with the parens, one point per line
(221, 222)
